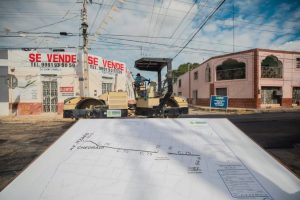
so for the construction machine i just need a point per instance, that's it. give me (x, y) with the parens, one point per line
(110, 104)
(157, 103)
(150, 101)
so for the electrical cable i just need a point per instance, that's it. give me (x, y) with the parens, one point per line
(203, 24)
(51, 24)
(98, 12)
(187, 25)
(157, 20)
(162, 44)
(189, 11)
(149, 27)
(164, 18)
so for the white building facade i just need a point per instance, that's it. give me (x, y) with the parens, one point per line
(33, 82)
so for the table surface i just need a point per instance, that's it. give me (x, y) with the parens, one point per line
(154, 159)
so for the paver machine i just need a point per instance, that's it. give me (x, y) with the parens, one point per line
(155, 102)
(151, 101)
(107, 105)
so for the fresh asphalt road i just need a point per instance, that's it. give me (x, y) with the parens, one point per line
(270, 130)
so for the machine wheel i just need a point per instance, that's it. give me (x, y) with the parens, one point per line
(171, 104)
(89, 104)
(170, 109)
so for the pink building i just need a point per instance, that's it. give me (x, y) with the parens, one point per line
(256, 78)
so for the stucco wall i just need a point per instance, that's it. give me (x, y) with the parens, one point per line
(31, 68)
(238, 88)
(291, 74)
(242, 88)
(184, 89)
(244, 92)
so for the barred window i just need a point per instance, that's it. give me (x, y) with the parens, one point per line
(296, 95)
(271, 67)
(106, 87)
(207, 74)
(221, 91)
(195, 75)
(231, 69)
(298, 62)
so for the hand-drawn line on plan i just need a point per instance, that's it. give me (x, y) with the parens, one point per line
(120, 148)
(183, 154)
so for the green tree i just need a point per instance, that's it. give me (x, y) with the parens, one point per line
(183, 68)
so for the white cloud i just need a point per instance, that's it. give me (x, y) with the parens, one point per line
(290, 46)
(210, 28)
(252, 29)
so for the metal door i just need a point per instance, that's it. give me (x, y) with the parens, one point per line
(296, 95)
(49, 96)
(4, 93)
(4, 77)
(195, 97)
(268, 97)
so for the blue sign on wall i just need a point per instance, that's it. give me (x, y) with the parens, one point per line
(219, 102)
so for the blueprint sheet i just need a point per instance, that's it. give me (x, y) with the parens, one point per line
(154, 159)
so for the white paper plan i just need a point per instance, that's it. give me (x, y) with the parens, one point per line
(154, 159)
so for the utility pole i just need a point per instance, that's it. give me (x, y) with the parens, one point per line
(84, 80)
(189, 70)
(233, 34)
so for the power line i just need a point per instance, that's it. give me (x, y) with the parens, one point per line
(68, 11)
(19, 36)
(51, 24)
(35, 47)
(148, 4)
(142, 11)
(188, 24)
(38, 1)
(233, 36)
(152, 11)
(112, 8)
(98, 12)
(157, 20)
(163, 44)
(202, 5)
(164, 18)
(183, 19)
(39, 33)
(203, 24)
(168, 38)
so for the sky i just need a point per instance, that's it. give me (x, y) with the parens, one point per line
(126, 30)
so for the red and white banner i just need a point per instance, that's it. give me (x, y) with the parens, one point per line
(66, 89)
